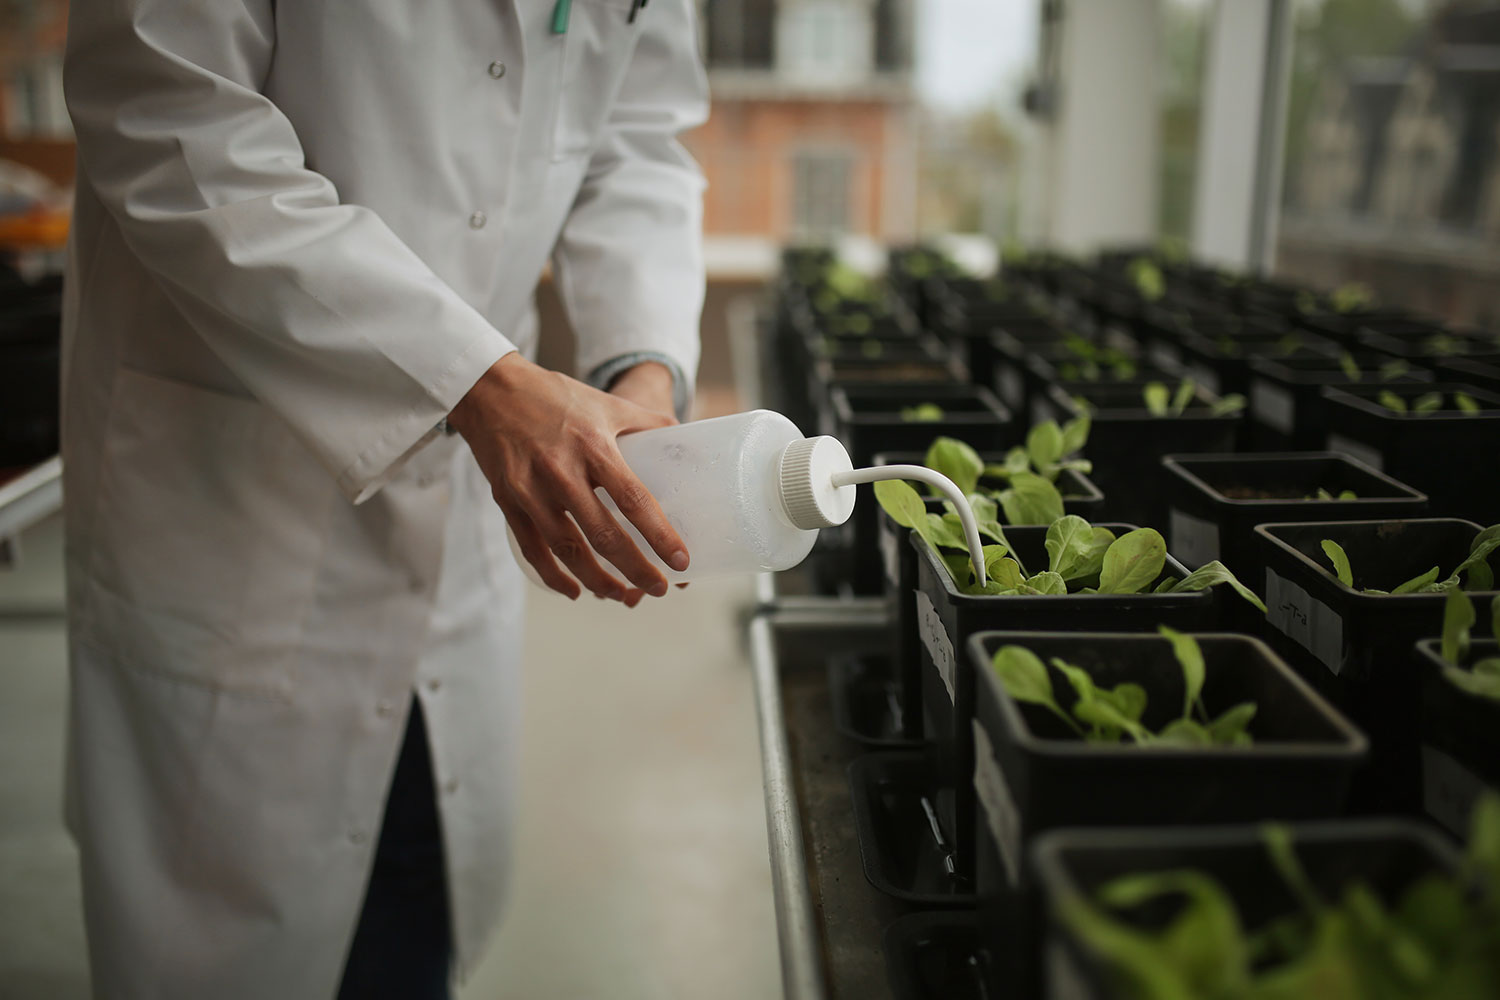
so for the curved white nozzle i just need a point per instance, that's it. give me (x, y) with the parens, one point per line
(938, 481)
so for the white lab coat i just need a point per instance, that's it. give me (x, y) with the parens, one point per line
(303, 230)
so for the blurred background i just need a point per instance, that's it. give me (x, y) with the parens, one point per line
(1334, 141)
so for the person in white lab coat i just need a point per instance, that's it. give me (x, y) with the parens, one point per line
(305, 240)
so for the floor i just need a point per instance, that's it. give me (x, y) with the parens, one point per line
(648, 880)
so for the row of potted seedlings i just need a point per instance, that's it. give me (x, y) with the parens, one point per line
(1095, 684)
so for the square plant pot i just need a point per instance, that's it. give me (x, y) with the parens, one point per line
(1221, 364)
(947, 618)
(1126, 443)
(1216, 501)
(1032, 774)
(1480, 373)
(898, 561)
(1388, 855)
(1351, 645)
(1287, 411)
(1450, 455)
(867, 418)
(1460, 749)
(977, 346)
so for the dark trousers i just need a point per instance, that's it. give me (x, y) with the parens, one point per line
(403, 945)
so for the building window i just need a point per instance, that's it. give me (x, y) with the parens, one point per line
(821, 193)
(739, 34)
(828, 41)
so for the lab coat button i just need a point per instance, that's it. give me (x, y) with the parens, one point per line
(357, 837)
(497, 69)
(435, 684)
(385, 708)
(450, 786)
(477, 220)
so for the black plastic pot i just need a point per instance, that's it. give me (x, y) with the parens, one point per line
(934, 953)
(1449, 455)
(30, 375)
(1387, 855)
(1222, 365)
(903, 849)
(1287, 411)
(867, 419)
(1126, 443)
(946, 619)
(1000, 360)
(1217, 500)
(898, 561)
(844, 360)
(1482, 373)
(1352, 646)
(1460, 751)
(1033, 775)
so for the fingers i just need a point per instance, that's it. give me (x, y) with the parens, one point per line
(536, 551)
(608, 539)
(568, 544)
(641, 509)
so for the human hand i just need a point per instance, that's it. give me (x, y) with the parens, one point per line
(545, 441)
(648, 385)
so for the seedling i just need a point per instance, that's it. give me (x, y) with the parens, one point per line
(1092, 359)
(922, 413)
(1147, 278)
(1323, 494)
(1030, 496)
(1081, 559)
(1162, 402)
(1440, 940)
(1428, 402)
(1102, 715)
(1387, 372)
(1480, 678)
(1475, 570)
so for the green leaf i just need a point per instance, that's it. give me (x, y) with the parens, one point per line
(1157, 399)
(1232, 725)
(959, 568)
(1133, 562)
(1458, 616)
(1002, 569)
(1428, 402)
(1465, 402)
(1417, 584)
(1349, 366)
(904, 504)
(1129, 699)
(1108, 720)
(1392, 370)
(1283, 852)
(1391, 401)
(1024, 675)
(1482, 679)
(1044, 444)
(946, 531)
(1183, 396)
(922, 413)
(1184, 732)
(1031, 499)
(1047, 582)
(1348, 495)
(1336, 555)
(1070, 544)
(1075, 434)
(1190, 658)
(1232, 403)
(956, 460)
(1213, 573)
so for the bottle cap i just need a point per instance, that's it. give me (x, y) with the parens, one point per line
(808, 497)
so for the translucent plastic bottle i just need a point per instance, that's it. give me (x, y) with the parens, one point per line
(746, 492)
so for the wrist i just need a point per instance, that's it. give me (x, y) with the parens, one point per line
(500, 378)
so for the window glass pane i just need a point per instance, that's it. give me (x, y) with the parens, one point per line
(1392, 171)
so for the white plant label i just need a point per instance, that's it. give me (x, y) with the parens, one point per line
(1194, 541)
(1012, 388)
(998, 804)
(935, 638)
(1273, 406)
(1356, 450)
(1306, 620)
(890, 553)
(1204, 376)
(1449, 790)
(1166, 355)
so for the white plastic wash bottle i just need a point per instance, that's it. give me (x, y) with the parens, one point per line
(747, 492)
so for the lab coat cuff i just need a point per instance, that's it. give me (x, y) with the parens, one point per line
(604, 374)
(383, 460)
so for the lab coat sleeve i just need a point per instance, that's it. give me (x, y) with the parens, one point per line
(629, 260)
(317, 307)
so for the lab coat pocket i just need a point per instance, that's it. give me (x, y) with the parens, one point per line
(597, 49)
(205, 542)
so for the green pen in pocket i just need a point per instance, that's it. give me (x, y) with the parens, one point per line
(560, 15)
